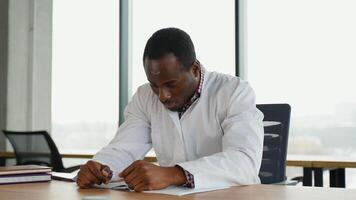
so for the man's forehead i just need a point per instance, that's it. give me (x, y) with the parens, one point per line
(168, 65)
(154, 70)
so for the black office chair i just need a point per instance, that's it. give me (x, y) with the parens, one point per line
(36, 147)
(276, 127)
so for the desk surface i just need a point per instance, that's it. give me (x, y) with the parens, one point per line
(321, 161)
(318, 161)
(64, 190)
(72, 155)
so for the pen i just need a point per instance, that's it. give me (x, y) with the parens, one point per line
(107, 172)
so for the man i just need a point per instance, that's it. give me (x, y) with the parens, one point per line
(204, 126)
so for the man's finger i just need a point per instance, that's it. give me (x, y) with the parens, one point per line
(137, 179)
(141, 187)
(132, 175)
(82, 183)
(88, 179)
(128, 169)
(96, 173)
(82, 179)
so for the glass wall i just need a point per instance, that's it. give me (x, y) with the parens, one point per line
(302, 52)
(210, 23)
(85, 74)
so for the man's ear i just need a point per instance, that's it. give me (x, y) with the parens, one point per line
(196, 68)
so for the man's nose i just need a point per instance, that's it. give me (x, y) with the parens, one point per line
(164, 95)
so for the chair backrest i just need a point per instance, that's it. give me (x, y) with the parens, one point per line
(35, 147)
(276, 127)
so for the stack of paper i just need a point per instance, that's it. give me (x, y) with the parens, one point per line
(24, 173)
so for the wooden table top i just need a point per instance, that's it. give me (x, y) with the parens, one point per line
(72, 155)
(321, 161)
(65, 155)
(317, 161)
(57, 190)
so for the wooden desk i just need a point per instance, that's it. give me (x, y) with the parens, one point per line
(317, 163)
(56, 190)
(71, 155)
(7, 155)
(65, 155)
(310, 163)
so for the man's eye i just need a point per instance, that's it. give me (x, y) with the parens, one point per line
(171, 85)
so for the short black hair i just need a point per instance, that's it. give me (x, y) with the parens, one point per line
(171, 40)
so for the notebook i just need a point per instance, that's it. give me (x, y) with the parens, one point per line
(23, 169)
(25, 178)
(24, 173)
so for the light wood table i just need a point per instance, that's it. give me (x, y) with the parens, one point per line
(56, 190)
(310, 163)
(6, 155)
(89, 156)
(317, 163)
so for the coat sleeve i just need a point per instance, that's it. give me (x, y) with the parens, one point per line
(132, 140)
(240, 159)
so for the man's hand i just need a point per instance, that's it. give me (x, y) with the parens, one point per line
(142, 175)
(93, 173)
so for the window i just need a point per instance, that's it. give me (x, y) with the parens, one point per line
(85, 74)
(303, 52)
(210, 23)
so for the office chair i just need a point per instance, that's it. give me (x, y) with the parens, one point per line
(36, 147)
(276, 129)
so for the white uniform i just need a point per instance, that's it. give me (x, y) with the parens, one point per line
(219, 139)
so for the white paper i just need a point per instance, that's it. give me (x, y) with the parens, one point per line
(172, 190)
(179, 191)
(65, 176)
(118, 185)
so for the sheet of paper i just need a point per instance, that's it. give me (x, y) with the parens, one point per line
(172, 190)
(179, 191)
(118, 185)
(65, 176)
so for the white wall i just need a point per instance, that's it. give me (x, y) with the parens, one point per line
(29, 65)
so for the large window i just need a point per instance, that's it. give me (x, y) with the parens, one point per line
(303, 52)
(85, 74)
(210, 23)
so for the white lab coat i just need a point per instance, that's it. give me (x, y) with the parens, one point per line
(219, 139)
